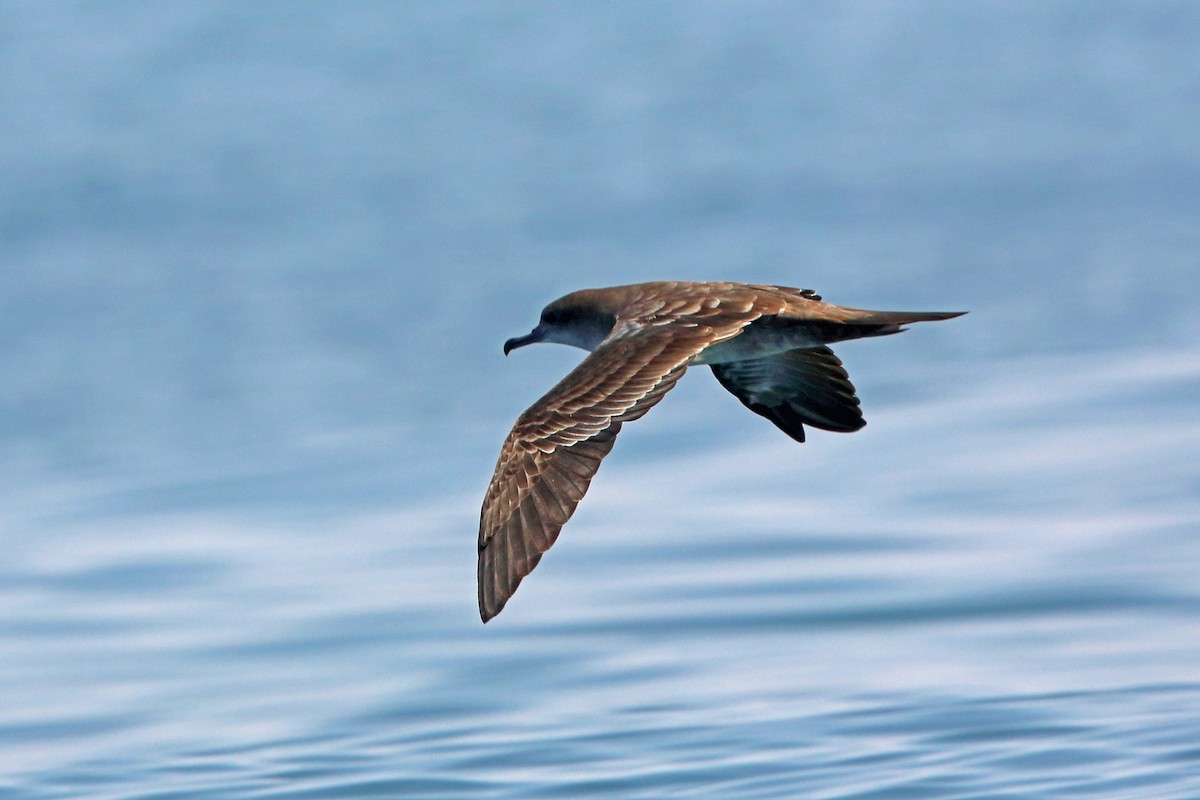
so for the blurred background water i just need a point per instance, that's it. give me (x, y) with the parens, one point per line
(256, 265)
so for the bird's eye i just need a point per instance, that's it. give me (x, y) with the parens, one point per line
(550, 317)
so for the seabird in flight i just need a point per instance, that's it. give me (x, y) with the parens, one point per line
(765, 344)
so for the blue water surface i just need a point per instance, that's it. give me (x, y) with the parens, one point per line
(257, 262)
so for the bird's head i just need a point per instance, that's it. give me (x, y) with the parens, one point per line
(576, 320)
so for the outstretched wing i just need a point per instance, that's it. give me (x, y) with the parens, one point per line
(794, 389)
(555, 448)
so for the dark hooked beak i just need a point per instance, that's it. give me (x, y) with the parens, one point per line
(536, 335)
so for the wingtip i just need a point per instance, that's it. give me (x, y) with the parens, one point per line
(487, 613)
(489, 604)
(488, 607)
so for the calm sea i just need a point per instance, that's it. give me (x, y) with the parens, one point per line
(257, 262)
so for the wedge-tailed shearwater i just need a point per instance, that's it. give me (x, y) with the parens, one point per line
(765, 344)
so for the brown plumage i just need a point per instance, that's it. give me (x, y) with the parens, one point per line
(765, 345)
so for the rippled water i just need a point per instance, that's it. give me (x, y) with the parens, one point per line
(258, 263)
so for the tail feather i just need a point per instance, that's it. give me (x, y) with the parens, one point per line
(900, 317)
(882, 323)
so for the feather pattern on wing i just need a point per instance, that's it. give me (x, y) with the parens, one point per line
(555, 448)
